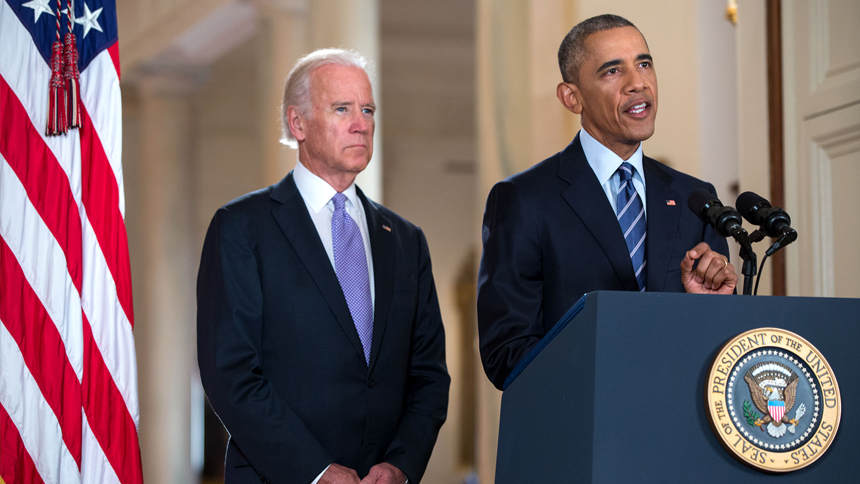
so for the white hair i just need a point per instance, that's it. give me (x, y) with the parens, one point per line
(298, 85)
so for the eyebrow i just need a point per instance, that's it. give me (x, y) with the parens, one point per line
(616, 62)
(338, 104)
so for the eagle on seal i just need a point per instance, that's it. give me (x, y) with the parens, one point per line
(774, 404)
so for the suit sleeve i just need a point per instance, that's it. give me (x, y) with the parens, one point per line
(229, 331)
(426, 402)
(510, 283)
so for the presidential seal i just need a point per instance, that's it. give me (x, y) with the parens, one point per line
(772, 400)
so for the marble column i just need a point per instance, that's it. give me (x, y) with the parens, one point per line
(283, 39)
(354, 24)
(159, 162)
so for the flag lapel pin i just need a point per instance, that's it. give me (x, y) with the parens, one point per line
(671, 203)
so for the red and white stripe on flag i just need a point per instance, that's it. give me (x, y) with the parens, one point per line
(68, 377)
(776, 410)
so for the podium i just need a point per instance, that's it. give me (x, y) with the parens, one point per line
(615, 392)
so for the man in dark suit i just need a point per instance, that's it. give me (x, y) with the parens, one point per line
(575, 222)
(320, 340)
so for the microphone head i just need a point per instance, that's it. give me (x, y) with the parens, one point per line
(700, 201)
(749, 204)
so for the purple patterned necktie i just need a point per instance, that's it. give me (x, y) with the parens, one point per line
(350, 263)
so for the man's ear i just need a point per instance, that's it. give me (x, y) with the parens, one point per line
(569, 95)
(296, 123)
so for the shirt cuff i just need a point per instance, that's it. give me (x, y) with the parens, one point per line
(315, 481)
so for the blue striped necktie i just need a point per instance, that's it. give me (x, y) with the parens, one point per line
(631, 217)
(350, 264)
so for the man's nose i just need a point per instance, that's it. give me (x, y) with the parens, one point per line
(635, 81)
(360, 122)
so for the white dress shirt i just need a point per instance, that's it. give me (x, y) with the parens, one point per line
(318, 194)
(605, 163)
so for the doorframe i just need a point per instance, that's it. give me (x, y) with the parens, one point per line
(775, 129)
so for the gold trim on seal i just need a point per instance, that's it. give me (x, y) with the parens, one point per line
(767, 365)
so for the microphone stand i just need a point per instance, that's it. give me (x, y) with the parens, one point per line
(786, 236)
(748, 256)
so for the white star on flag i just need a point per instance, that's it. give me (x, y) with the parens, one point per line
(39, 7)
(90, 20)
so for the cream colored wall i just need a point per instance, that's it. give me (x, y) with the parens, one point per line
(158, 162)
(281, 42)
(838, 140)
(821, 76)
(427, 70)
(148, 27)
(751, 105)
(669, 27)
(716, 61)
(227, 123)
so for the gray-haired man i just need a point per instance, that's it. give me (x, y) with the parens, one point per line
(320, 341)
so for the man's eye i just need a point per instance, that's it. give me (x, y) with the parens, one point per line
(340, 109)
(645, 64)
(367, 111)
(612, 71)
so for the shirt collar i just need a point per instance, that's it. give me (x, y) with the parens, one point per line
(315, 191)
(604, 162)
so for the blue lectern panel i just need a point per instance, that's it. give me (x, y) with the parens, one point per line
(618, 393)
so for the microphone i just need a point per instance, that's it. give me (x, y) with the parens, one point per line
(725, 220)
(758, 211)
(773, 221)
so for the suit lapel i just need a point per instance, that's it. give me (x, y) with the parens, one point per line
(662, 223)
(382, 248)
(588, 200)
(293, 218)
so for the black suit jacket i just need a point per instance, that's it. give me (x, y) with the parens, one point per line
(550, 236)
(281, 360)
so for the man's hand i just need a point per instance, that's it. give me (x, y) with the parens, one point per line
(384, 473)
(713, 275)
(338, 474)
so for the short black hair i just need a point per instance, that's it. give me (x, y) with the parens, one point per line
(571, 52)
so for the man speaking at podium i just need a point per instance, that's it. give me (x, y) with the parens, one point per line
(576, 222)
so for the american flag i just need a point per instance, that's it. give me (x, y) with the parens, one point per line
(68, 377)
